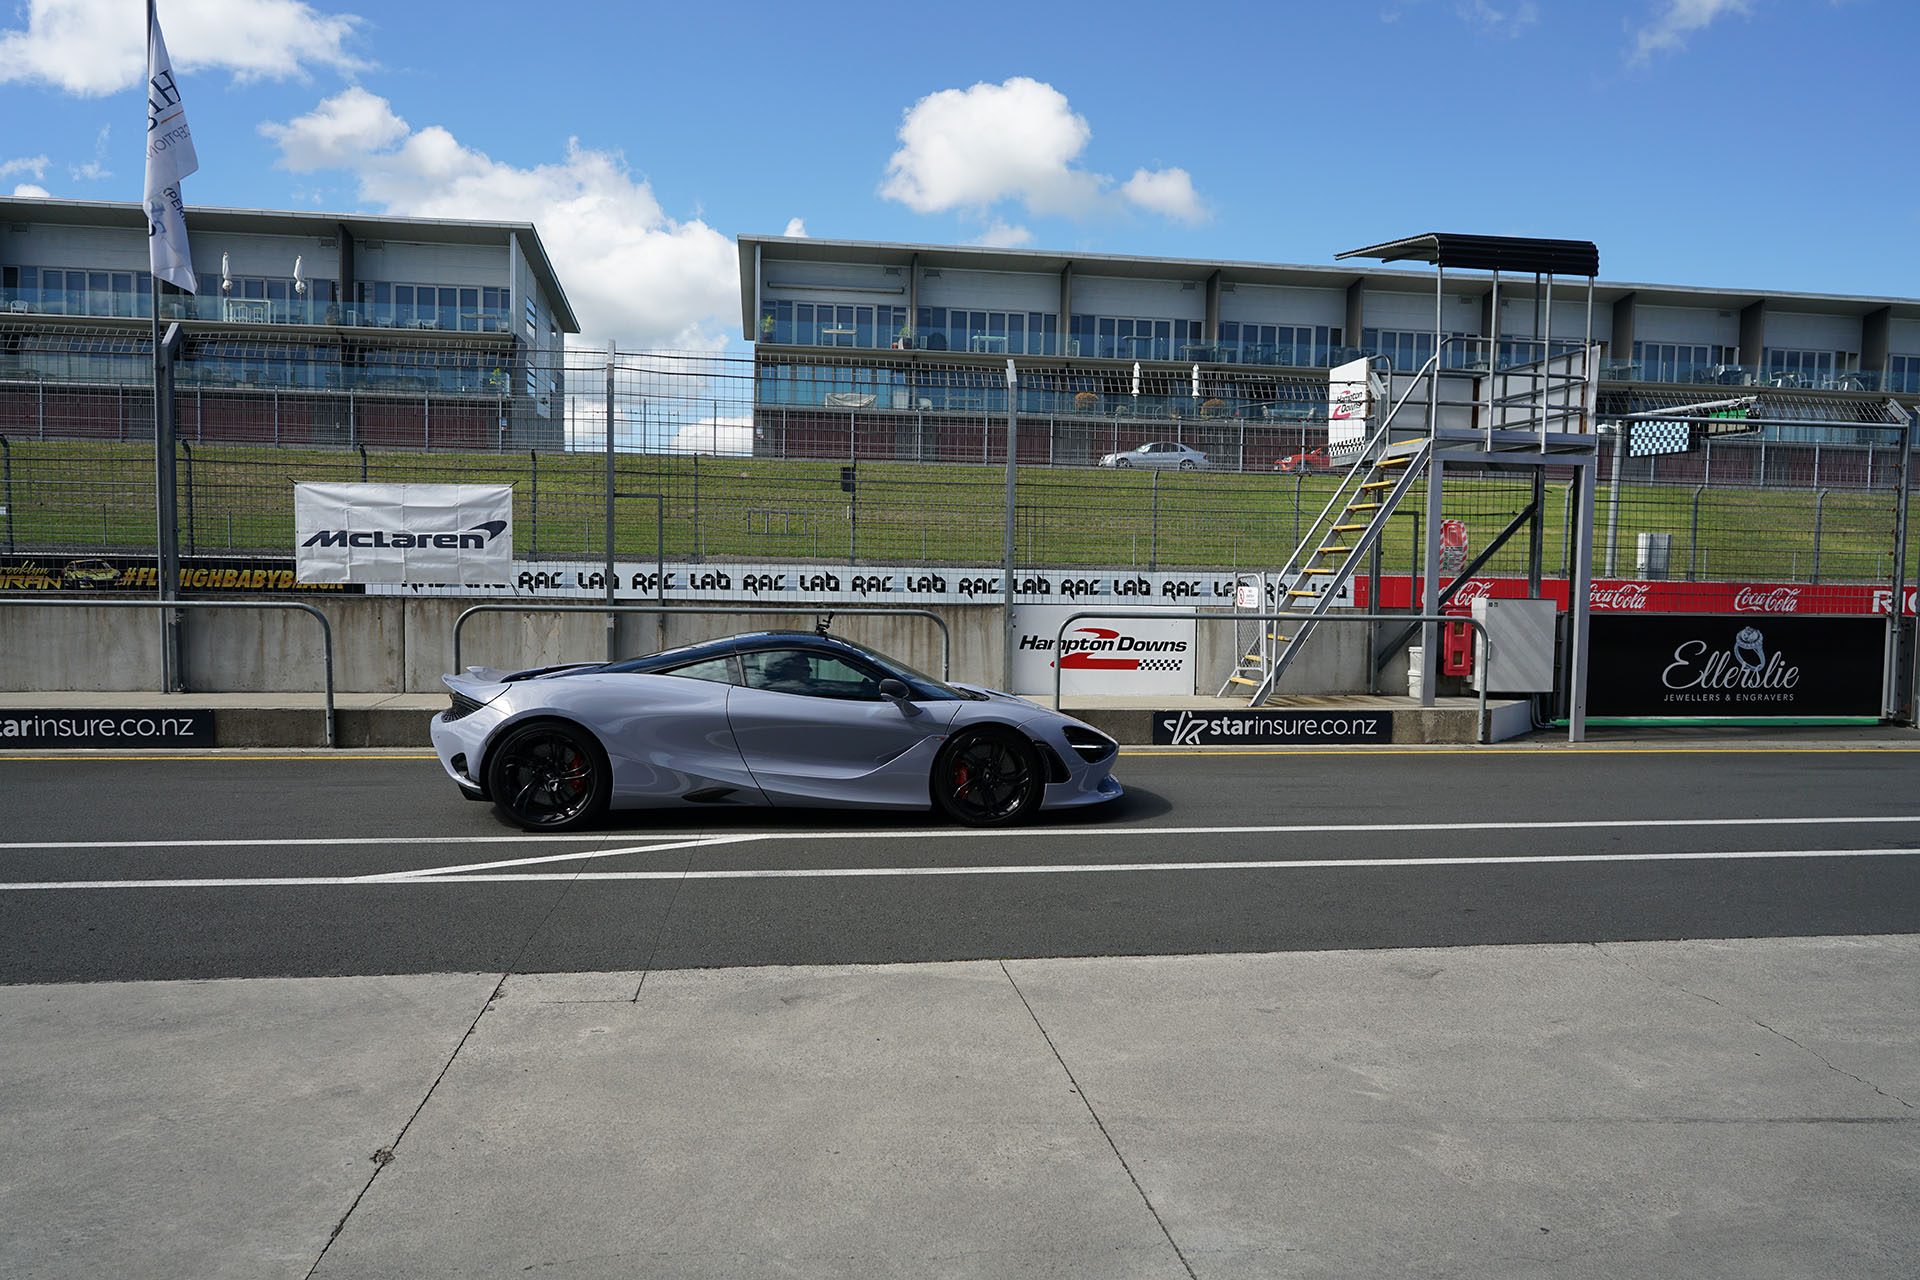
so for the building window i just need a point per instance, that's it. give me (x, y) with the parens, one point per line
(1289, 345)
(1789, 368)
(1683, 362)
(1903, 374)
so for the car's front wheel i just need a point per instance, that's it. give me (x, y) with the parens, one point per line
(1187, 464)
(988, 778)
(1121, 462)
(548, 775)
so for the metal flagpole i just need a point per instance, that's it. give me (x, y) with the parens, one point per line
(170, 158)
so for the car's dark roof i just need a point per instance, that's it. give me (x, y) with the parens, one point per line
(746, 642)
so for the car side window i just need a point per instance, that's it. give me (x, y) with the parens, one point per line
(719, 670)
(815, 675)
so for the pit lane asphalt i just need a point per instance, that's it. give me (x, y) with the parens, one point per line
(947, 895)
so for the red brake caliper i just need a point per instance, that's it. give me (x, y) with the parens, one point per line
(960, 777)
(576, 785)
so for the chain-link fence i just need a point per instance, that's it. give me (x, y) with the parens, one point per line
(901, 463)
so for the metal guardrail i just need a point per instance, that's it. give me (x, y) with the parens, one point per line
(946, 634)
(1197, 615)
(326, 628)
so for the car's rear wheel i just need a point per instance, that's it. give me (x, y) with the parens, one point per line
(988, 778)
(548, 775)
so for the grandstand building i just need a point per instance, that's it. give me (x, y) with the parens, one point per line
(900, 350)
(308, 328)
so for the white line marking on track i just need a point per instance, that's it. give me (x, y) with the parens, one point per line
(1030, 869)
(962, 833)
(699, 842)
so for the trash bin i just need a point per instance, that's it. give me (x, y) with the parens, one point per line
(1651, 555)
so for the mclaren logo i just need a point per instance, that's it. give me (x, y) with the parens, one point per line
(471, 540)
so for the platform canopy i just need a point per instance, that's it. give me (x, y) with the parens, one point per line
(1447, 250)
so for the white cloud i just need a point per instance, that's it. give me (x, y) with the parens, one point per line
(1497, 21)
(1168, 192)
(1675, 21)
(94, 47)
(971, 148)
(28, 191)
(94, 170)
(1002, 235)
(35, 165)
(797, 228)
(632, 272)
(341, 130)
(722, 435)
(1021, 141)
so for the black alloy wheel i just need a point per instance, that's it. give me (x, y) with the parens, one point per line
(549, 776)
(988, 778)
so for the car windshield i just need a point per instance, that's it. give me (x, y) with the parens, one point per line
(925, 687)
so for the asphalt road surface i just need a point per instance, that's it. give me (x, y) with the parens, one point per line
(196, 866)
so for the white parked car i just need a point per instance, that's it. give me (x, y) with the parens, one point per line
(1160, 453)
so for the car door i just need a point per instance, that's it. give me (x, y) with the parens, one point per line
(814, 729)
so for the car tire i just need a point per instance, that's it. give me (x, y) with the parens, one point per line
(549, 775)
(988, 778)
(1121, 462)
(1187, 464)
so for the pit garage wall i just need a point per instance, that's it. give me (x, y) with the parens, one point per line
(390, 645)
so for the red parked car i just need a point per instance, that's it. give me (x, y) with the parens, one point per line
(1311, 460)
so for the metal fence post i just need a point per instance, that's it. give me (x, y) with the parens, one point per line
(613, 623)
(1153, 544)
(1693, 539)
(1010, 506)
(1819, 518)
(533, 505)
(192, 543)
(6, 487)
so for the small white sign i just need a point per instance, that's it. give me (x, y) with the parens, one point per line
(1101, 655)
(401, 533)
(1349, 405)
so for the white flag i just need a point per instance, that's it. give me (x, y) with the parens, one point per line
(170, 158)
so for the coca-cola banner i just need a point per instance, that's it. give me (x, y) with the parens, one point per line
(1717, 665)
(1614, 595)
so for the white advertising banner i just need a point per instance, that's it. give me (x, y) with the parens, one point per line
(1349, 404)
(680, 582)
(403, 533)
(1101, 655)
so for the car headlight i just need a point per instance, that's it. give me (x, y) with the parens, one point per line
(1090, 745)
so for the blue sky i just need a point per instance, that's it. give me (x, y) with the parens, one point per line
(1761, 144)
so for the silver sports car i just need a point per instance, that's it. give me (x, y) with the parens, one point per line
(773, 717)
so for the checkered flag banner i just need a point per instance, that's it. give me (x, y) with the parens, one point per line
(1161, 664)
(1657, 439)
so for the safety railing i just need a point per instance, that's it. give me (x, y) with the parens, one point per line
(946, 633)
(1197, 615)
(326, 628)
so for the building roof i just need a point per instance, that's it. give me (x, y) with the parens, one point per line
(1489, 253)
(126, 213)
(1313, 277)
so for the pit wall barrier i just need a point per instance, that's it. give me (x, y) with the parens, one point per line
(387, 644)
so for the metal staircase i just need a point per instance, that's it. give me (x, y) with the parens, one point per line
(1336, 546)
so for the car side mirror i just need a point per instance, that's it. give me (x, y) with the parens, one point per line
(896, 692)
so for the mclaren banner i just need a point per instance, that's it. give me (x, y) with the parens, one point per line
(403, 533)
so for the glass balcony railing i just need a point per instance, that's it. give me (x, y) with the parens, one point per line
(1739, 375)
(256, 311)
